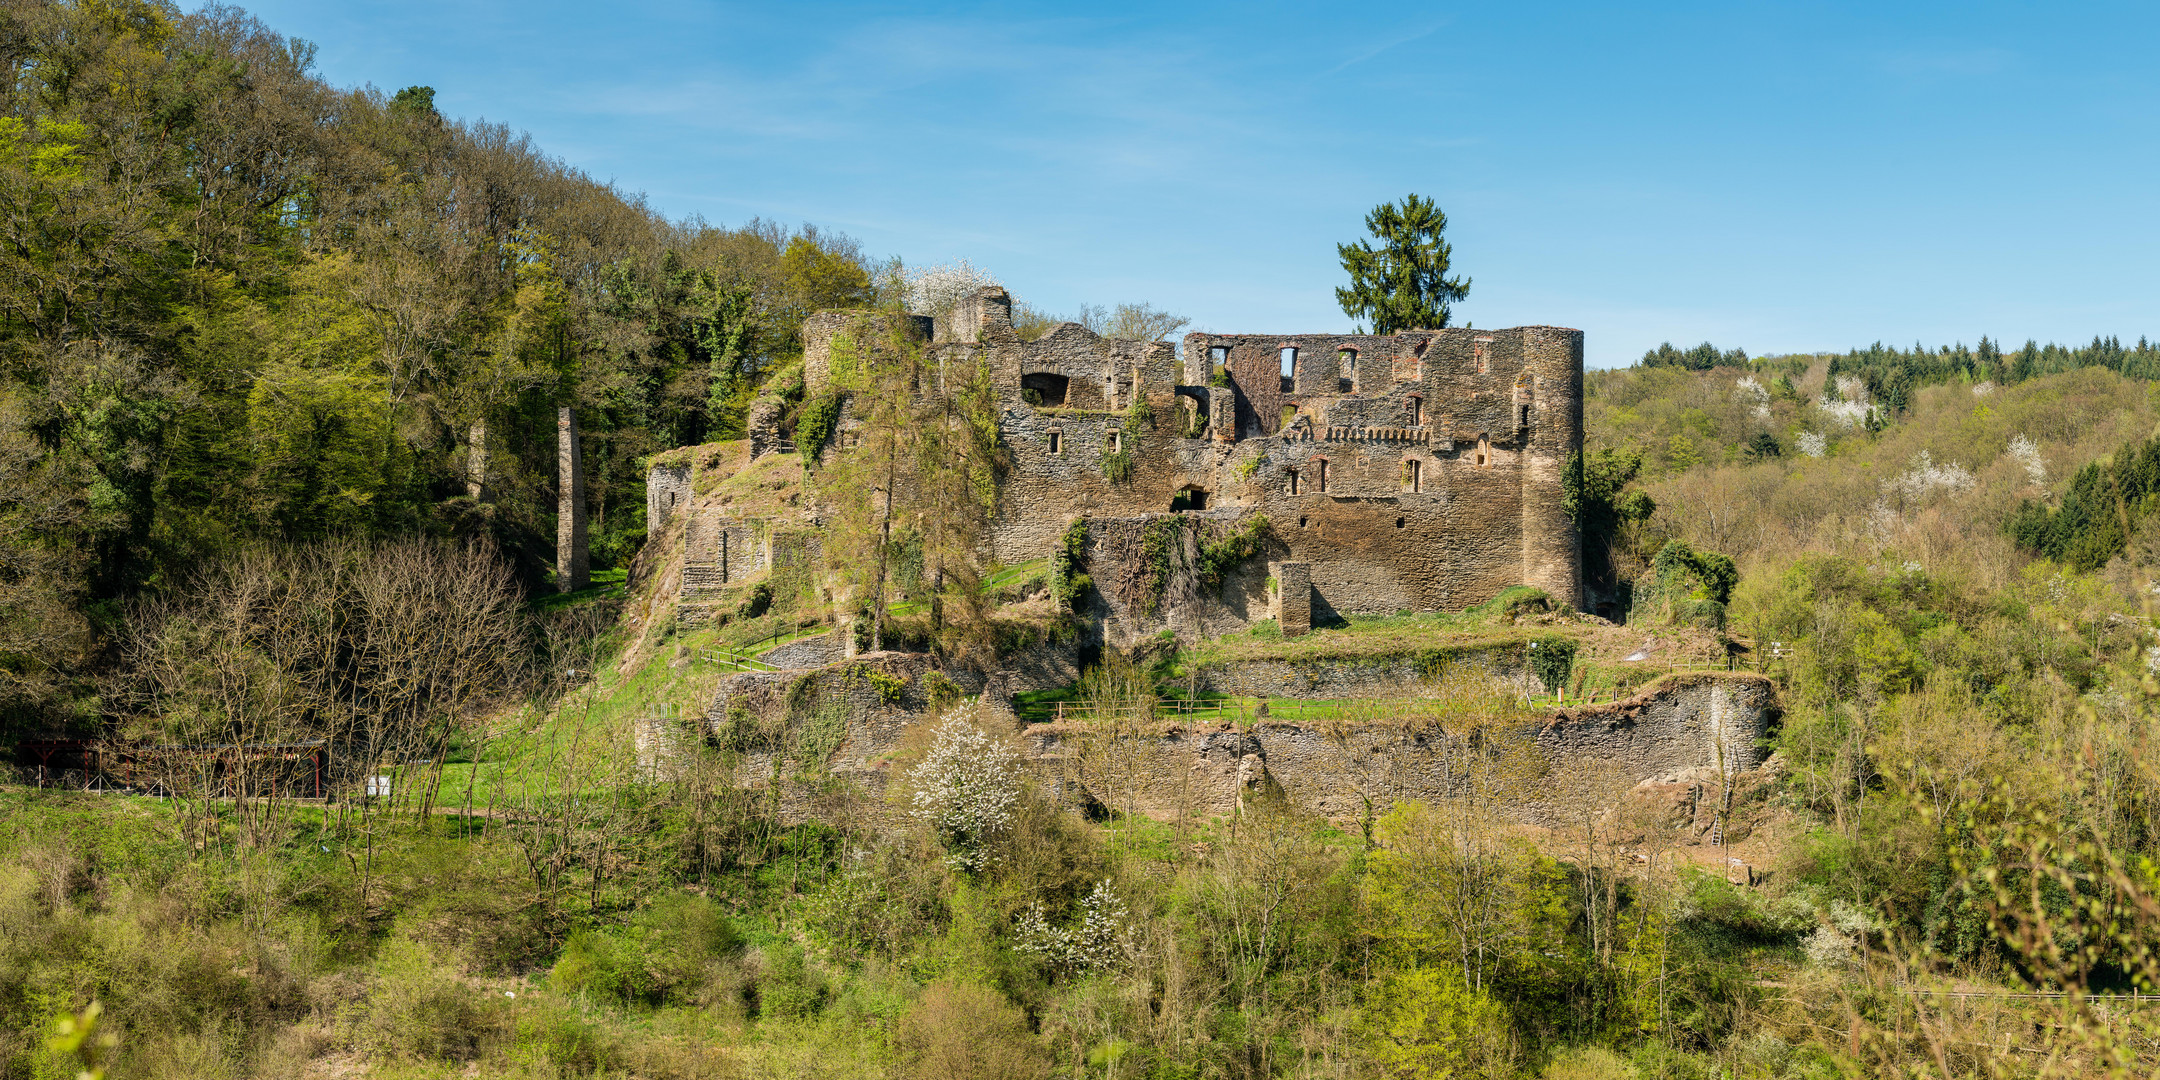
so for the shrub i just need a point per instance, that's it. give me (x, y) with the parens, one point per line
(1426, 1021)
(419, 1008)
(787, 987)
(889, 686)
(959, 1031)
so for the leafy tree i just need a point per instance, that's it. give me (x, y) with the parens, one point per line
(1402, 284)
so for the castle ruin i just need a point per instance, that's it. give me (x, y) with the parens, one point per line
(1418, 471)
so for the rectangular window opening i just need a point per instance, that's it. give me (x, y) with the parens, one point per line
(1289, 368)
(1293, 482)
(1417, 411)
(1346, 371)
(1057, 442)
(1413, 475)
(1322, 477)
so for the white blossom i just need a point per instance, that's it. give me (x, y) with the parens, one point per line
(933, 290)
(1826, 948)
(966, 786)
(1814, 444)
(1752, 391)
(1854, 409)
(2027, 454)
(1925, 476)
(1983, 389)
(1097, 942)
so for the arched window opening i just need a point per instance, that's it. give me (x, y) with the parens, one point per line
(1484, 449)
(1043, 389)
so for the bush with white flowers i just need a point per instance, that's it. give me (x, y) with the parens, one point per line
(1097, 942)
(966, 786)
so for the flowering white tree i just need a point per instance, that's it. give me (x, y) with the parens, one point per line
(1098, 942)
(1851, 407)
(1814, 444)
(966, 786)
(2027, 454)
(1926, 476)
(933, 290)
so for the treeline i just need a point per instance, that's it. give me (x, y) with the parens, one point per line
(1892, 375)
(238, 305)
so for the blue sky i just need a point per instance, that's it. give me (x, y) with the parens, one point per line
(1780, 177)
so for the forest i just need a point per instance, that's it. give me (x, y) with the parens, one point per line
(280, 370)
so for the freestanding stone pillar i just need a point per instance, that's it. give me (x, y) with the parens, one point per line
(573, 568)
(1293, 597)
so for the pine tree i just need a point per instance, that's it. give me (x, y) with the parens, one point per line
(1403, 283)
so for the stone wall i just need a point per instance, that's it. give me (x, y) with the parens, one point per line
(809, 652)
(1328, 680)
(1708, 722)
(1702, 724)
(1418, 471)
(667, 489)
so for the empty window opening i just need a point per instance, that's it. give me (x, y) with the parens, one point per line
(1289, 368)
(1417, 410)
(1289, 413)
(1043, 389)
(1400, 522)
(1057, 441)
(1413, 475)
(1116, 441)
(1346, 371)
(1218, 360)
(1484, 449)
(1189, 498)
(1301, 521)
(1320, 474)
(1294, 490)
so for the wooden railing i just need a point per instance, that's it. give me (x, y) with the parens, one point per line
(736, 660)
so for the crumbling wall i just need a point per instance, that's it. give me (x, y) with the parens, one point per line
(1713, 724)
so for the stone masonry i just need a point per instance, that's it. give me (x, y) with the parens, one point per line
(1417, 471)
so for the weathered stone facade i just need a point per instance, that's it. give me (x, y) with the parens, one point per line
(1418, 471)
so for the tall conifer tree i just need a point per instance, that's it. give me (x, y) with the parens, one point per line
(1402, 284)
